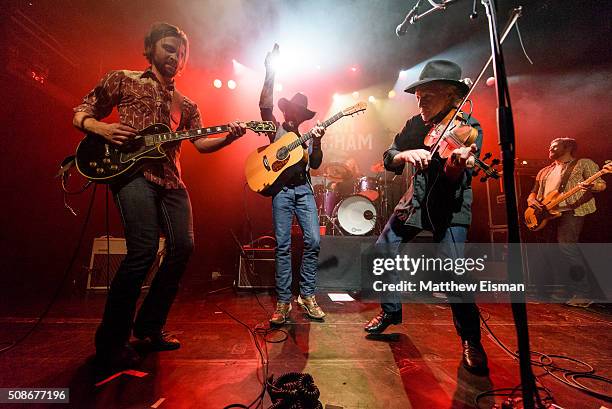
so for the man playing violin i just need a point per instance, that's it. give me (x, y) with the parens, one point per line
(438, 199)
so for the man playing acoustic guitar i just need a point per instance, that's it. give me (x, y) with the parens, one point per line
(152, 200)
(295, 197)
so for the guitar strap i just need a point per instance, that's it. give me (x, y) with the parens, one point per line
(63, 174)
(176, 111)
(566, 175)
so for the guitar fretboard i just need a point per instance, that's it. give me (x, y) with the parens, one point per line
(575, 189)
(151, 140)
(308, 135)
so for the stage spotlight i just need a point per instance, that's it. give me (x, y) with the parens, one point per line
(371, 98)
(336, 96)
(355, 95)
(278, 87)
(217, 83)
(354, 68)
(402, 74)
(238, 68)
(231, 84)
(391, 94)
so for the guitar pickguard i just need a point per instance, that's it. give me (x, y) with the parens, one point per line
(278, 165)
(158, 151)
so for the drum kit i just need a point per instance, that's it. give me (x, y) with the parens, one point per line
(350, 204)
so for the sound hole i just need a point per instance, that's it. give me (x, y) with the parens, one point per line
(282, 153)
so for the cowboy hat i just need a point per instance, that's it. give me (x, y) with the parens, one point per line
(298, 104)
(440, 70)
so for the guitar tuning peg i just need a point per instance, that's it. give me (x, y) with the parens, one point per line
(487, 156)
(495, 162)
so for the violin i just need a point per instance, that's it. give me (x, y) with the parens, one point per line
(453, 132)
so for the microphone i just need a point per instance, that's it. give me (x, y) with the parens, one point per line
(402, 28)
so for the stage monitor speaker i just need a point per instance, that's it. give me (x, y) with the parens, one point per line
(340, 262)
(107, 255)
(257, 270)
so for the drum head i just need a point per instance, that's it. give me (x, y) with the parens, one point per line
(356, 215)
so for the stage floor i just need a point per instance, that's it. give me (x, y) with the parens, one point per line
(416, 366)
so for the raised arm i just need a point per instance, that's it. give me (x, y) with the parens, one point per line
(266, 99)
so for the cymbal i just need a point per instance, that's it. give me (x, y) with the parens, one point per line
(378, 167)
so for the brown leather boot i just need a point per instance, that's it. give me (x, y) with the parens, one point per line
(310, 306)
(280, 315)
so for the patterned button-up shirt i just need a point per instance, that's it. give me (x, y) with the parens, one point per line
(581, 202)
(142, 100)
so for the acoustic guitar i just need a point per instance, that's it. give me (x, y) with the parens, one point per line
(268, 168)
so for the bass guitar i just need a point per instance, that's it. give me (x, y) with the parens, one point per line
(268, 168)
(103, 162)
(536, 217)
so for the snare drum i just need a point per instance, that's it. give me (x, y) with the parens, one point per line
(356, 215)
(367, 186)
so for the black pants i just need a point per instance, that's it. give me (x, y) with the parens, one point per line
(465, 313)
(146, 209)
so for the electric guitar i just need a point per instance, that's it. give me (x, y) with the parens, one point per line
(103, 162)
(537, 217)
(268, 168)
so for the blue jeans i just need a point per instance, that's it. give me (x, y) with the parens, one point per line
(145, 210)
(285, 204)
(465, 314)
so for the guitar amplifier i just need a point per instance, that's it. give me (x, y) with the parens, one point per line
(258, 269)
(496, 197)
(107, 255)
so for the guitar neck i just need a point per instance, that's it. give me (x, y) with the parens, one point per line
(151, 140)
(308, 135)
(575, 189)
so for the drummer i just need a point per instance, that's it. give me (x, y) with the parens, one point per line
(348, 173)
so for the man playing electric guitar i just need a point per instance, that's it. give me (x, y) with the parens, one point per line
(295, 197)
(151, 200)
(565, 173)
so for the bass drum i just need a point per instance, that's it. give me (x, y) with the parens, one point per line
(356, 215)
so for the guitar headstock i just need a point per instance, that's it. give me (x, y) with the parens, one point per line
(607, 168)
(358, 107)
(489, 170)
(261, 126)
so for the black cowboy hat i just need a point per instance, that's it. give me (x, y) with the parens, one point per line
(298, 105)
(440, 70)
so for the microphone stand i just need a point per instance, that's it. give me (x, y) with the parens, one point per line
(505, 127)
(434, 7)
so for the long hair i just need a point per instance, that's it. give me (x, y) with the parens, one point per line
(159, 31)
